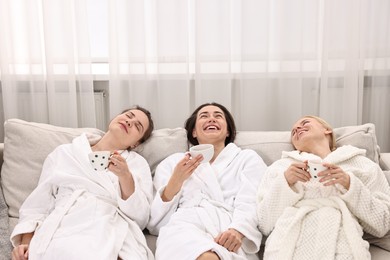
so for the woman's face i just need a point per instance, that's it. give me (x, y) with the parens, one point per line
(306, 131)
(131, 126)
(210, 126)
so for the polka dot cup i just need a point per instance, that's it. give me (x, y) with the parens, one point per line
(99, 160)
(315, 167)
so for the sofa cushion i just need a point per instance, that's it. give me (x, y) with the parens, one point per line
(161, 144)
(26, 146)
(270, 144)
(361, 136)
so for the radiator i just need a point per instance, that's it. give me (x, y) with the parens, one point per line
(100, 111)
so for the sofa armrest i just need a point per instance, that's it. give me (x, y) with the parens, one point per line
(385, 161)
(5, 243)
(1, 154)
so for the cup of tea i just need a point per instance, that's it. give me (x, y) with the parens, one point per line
(207, 150)
(315, 167)
(99, 160)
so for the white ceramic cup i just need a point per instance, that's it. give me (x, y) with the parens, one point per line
(207, 150)
(99, 160)
(315, 167)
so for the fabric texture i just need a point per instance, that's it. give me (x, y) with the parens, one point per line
(161, 144)
(24, 150)
(301, 219)
(216, 197)
(35, 141)
(252, 56)
(26, 146)
(73, 203)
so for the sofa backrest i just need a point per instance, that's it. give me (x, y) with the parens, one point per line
(268, 144)
(27, 144)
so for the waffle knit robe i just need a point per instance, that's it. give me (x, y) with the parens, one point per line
(312, 221)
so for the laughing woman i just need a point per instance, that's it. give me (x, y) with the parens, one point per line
(208, 210)
(77, 212)
(323, 217)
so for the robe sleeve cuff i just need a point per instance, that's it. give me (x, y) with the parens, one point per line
(349, 194)
(20, 229)
(133, 199)
(251, 240)
(167, 204)
(161, 211)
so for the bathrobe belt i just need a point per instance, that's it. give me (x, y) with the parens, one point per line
(53, 221)
(207, 209)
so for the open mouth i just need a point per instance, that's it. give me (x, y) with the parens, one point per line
(211, 128)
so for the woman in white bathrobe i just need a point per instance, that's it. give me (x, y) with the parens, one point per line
(77, 212)
(208, 210)
(324, 217)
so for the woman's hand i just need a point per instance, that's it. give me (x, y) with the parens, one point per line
(297, 172)
(230, 239)
(181, 173)
(333, 175)
(119, 167)
(20, 252)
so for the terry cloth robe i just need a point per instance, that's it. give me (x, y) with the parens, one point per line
(312, 221)
(78, 213)
(215, 198)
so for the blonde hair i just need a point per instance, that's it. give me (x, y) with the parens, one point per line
(331, 138)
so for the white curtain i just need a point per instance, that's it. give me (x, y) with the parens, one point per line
(268, 61)
(45, 62)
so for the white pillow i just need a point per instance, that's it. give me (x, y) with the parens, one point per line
(161, 144)
(268, 144)
(361, 136)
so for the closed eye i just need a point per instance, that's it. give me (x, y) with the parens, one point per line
(203, 115)
(130, 115)
(138, 126)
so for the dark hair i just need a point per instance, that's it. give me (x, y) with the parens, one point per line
(191, 121)
(149, 130)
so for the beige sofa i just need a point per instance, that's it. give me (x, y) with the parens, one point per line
(27, 144)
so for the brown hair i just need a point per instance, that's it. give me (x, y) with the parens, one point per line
(231, 126)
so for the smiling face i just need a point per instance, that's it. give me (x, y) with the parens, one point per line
(130, 127)
(309, 132)
(210, 126)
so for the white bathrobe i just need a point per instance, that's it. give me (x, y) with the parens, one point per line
(312, 221)
(216, 197)
(78, 213)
